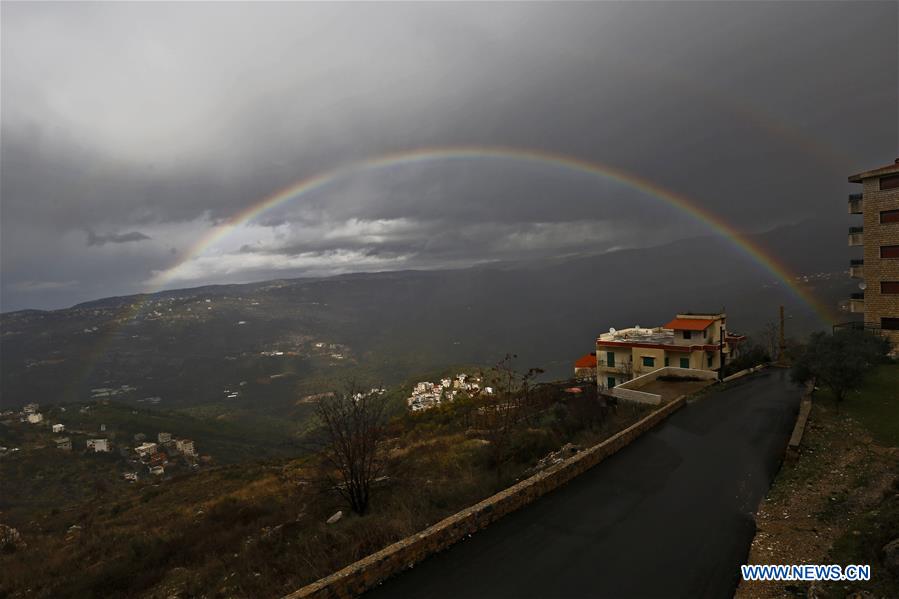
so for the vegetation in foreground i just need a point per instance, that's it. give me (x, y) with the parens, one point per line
(839, 362)
(838, 503)
(260, 529)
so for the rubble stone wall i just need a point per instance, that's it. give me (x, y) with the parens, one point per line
(370, 571)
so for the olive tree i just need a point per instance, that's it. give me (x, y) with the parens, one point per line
(839, 361)
(504, 406)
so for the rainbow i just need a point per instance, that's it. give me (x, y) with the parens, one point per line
(433, 154)
(746, 246)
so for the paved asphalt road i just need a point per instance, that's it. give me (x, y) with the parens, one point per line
(668, 516)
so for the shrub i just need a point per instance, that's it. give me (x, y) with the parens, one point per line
(752, 355)
(531, 444)
(233, 512)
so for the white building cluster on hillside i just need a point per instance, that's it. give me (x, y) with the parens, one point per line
(156, 456)
(428, 395)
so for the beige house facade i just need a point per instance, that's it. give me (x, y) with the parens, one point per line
(698, 341)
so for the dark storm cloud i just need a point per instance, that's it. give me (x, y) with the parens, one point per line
(163, 120)
(130, 237)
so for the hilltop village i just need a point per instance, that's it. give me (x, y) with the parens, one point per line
(427, 394)
(167, 454)
(691, 345)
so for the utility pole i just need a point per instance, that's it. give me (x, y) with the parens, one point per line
(782, 347)
(721, 358)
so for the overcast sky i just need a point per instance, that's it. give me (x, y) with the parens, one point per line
(130, 131)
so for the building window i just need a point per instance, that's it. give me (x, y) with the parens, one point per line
(889, 251)
(610, 382)
(666, 361)
(687, 334)
(889, 287)
(889, 324)
(889, 182)
(889, 216)
(649, 361)
(685, 362)
(610, 358)
(711, 360)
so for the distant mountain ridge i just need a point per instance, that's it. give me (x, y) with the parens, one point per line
(790, 241)
(390, 325)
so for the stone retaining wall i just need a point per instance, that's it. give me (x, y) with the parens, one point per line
(370, 571)
(805, 409)
(743, 373)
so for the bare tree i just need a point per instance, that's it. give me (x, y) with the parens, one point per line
(354, 431)
(504, 407)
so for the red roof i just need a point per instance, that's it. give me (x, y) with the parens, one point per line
(688, 324)
(586, 361)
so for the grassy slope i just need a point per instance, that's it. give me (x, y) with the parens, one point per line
(870, 527)
(258, 529)
(838, 503)
(876, 406)
(224, 435)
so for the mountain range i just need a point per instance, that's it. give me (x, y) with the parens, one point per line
(272, 342)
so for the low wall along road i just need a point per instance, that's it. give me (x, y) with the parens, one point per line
(368, 572)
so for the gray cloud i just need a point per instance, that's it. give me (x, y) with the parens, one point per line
(132, 236)
(166, 120)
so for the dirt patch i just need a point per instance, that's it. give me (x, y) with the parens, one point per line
(840, 476)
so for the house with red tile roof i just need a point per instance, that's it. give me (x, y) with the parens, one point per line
(585, 366)
(689, 341)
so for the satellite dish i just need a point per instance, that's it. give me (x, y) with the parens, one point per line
(862, 286)
(612, 330)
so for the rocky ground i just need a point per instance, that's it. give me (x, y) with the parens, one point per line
(836, 503)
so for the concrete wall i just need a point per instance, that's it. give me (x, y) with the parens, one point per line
(743, 373)
(370, 571)
(642, 380)
(805, 410)
(629, 391)
(635, 396)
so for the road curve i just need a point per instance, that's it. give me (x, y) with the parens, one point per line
(668, 516)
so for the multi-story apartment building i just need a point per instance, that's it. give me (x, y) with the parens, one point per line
(878, 270)
(697, 341)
